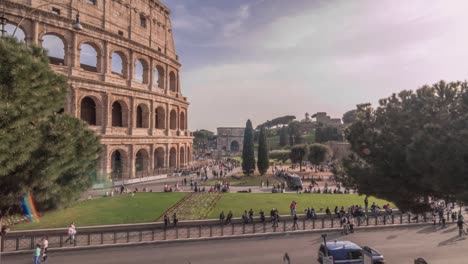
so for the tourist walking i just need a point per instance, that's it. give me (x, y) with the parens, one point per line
(166, 220)
(295, 225)
(292, 207)
(71, 233)
(37, 254)
(221, 217)
(460, 223)
(45, 246)
(229, 218)
(175, 219)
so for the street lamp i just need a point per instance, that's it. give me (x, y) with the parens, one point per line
(76, 25)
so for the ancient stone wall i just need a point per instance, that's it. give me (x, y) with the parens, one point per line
(230, 139)
(123, 73)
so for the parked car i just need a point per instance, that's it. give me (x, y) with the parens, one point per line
(343, 252)
(377, 258)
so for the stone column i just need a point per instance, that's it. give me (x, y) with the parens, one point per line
(131, 162)
(151, 72)
(168, 119)
(168, 156)
(151, 160)
(152, 116)
(131, 113)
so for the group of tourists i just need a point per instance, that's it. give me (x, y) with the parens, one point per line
(167, 220)
(41, 250)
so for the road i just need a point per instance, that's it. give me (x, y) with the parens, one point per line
(401, 245)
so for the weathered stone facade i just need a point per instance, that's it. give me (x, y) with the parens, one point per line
(230, 139)
(325, 119)
(123, 73)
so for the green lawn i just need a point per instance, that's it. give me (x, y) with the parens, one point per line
(238, 202)
(254, 180)
(121, 209)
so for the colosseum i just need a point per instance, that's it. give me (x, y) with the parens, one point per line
(123, 71)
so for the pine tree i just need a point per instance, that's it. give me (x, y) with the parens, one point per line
(47, 154)
(248, 155)
(262, 159)
(283, 137)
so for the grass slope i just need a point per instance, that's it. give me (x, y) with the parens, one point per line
(122, 209)
(238, 202)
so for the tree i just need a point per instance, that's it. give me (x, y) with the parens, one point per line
(50, 155)
(413, 148)
(201, 139)
(325, 133)
(307, 117)
(283, 120)
(298, 154)
(349, 117)
(283, 134)
(248, 158)
(280, 155)
(294, 133)
(318, 153)
(263, 161)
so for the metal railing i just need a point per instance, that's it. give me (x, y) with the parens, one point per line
(123, 234)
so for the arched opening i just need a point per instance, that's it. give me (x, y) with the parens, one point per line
(159, 77)
(88, 58)
(141, 71)
(117, 115)
(189, 155)
(172, 82)
(182, 157)
(88, 111)
(182, 121)
(142, 116)
(141, 163)
(234, 146)
(172, 158)
(55, 49)
(117, 63)
(118, 164)
(160, 118)
(19, 34)
(173, 120)
(159, 158)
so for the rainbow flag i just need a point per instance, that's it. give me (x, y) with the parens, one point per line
(29, 208)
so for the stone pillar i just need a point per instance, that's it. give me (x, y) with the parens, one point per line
(131, 162)
(74, 51)
(35, 34)
(107, 114)
(131, 113)
(152, 116)
(168, 156)
(168, 119)
(151, 160)
(130, 68)
(151, 72)
(105, 58)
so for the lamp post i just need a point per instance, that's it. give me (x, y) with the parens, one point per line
(76, 24)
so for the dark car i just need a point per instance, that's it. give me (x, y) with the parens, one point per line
(377, 258)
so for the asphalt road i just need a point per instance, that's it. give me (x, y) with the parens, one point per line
(397, 245)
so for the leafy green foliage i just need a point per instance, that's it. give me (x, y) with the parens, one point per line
(248, 154)
(318, 153)
(327, 133)
(283, 120)
(263, 161)
(50, 155)
(280, 155)
(349, 117)
(294, 133)
(201, 139)
(413, 147)
(298, 154)
(283, 133)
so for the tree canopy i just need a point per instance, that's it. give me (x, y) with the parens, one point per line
(294, 133)
(283, 136)
(280, 155)
(298, 154)
(318, 153)
(283, 120)
(327, 133)
(412, 148)
(248, 153)
(53, 156)
(349, 117)
(263, 161)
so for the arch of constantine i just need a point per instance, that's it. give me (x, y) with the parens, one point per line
(123, 73)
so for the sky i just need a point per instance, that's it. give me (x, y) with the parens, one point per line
(260, 59)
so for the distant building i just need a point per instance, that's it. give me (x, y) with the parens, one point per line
(230, 139)
(322, 117)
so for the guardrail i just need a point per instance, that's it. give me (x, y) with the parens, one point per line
(122, 234)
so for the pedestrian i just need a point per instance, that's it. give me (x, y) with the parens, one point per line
(221, 217)
(344, 222)
(262, 216)
(229, 218)
(251, 213)
(351, 224)
(166, 220)
(460, 226)
(45, 246)
(268, 183)
(175, 219)
(366, 203)
(292, 207)
(295, 225)
(37, 254)
(71, 233)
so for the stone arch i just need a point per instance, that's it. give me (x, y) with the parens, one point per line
(160, 118)
(159, 158)
(235, 147)
(182, 121)
(119, 63)
(89, 57)
(172, 82)
(141, 71)
(90, 110)
(118, 163)
(55, 45)
(173, 120)
(172, 158)
(159, 76)
(19, 34)
(142, 116)
(141, 163)
(119, 114)
(182, 156)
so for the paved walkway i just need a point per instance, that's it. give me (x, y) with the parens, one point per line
(437, 246)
